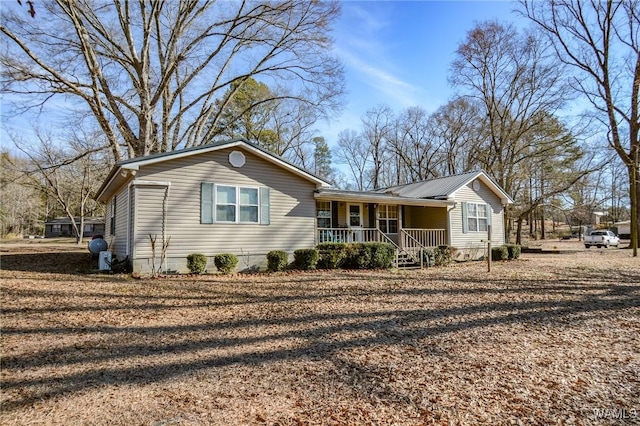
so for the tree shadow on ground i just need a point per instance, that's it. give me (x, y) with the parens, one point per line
(55, 262)
(371, 327)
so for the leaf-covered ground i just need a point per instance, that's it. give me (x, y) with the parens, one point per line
(547, 339)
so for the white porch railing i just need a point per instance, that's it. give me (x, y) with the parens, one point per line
(411, 237)
(424, 237)
(348, 235)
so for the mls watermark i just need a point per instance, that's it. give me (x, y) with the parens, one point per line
(616, 413)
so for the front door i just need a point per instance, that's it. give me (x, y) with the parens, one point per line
(354, 215)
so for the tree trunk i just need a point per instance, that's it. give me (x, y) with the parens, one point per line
(633, 193)
(519, 232)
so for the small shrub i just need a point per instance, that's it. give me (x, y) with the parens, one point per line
(438, 256)
(196, 262)
(123, 266)
(514, 251)
(382, 255)
(225, 262)
(443, 255)
(357, 256)
(305, 259)
(499, 253)
(429, 257)
(331, 255)
(277, 260)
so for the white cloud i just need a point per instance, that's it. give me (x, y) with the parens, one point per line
(396, 90)
(363, 45)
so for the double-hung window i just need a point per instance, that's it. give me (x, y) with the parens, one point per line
(248, 205)
(323, 209)
(388, 218)
(476, 217)
(225, 203)
(234, 204)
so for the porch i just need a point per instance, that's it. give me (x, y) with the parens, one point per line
(409, 238)
(409, 228)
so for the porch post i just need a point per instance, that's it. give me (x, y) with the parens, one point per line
(400, 225)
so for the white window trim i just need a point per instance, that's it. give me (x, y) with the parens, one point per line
(330, 213)
(236, 204)
(476, 217)
(361, 207)
(385, 208)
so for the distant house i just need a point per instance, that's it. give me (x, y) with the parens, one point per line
(624, 229)
(236, 197)
(596, 217)
(61, 227)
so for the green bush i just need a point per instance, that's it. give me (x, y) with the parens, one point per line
(499, 253)
(443, 255)
(357, 256)
(429, 257)
(331, 255)
(382, 255)
(225, 262)
(277, 260)
(437, 256)
(514, 251)
(197, 263)
(305, 259)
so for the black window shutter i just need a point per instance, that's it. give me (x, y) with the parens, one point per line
(372, 215)
(334, 214)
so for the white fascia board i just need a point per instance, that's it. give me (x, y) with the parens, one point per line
(372, 198)
(319, 182)
(139, 182)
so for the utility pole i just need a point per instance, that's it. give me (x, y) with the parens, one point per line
(488, 248)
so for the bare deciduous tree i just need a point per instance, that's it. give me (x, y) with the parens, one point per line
(600, 40)
(413, 145)
(69, 175)
(517, 87)
(457, 131)
(154, 74)
(377, 125)
(355, 154)
(21, 204)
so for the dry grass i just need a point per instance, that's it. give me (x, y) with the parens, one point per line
(543, 340)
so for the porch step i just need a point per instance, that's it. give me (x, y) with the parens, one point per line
(405, 261)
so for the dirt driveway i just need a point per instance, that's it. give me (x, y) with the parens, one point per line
(547, 339)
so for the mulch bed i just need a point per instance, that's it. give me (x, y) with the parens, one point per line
(547, 339)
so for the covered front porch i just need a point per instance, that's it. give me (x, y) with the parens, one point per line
(409, 224)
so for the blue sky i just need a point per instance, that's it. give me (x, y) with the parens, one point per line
(396, 53)
(399, 53)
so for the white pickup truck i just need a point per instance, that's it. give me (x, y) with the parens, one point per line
(601, 238)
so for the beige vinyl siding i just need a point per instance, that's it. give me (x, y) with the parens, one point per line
(132, 219)
(118, 241)
(474, 238)
(149, 200)
(292, 207)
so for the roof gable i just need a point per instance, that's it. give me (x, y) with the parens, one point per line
(446, 187)
(119, 173)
